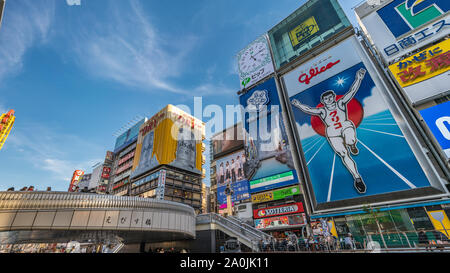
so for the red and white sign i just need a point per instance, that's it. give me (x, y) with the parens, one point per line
(326, 65)
(75, 179)
(278, 210)
(106, 172)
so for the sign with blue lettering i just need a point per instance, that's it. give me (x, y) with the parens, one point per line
(403, 26)
(438, 120)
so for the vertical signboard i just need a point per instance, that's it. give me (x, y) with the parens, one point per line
(269, 162)
(255, 62)
(438, 120)
(75, 179)
(353, 146)
(161, 185)
(401, 26)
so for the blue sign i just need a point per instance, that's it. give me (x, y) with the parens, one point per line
(128, 137)
(267, 151)
(438, 120)
(240, 192)
(402, 16)
(351, 142)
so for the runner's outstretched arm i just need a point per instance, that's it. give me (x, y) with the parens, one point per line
(355, 86)
(306, 109)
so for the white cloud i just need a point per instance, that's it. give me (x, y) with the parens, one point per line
(24, 24)
(129, 50)
(305, 131)
(57, 154)
(374, 103)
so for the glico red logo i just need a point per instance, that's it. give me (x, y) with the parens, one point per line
(306, 79)
(261, 213)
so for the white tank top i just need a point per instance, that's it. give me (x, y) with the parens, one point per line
(335, 118)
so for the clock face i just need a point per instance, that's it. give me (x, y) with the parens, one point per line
(253, 58)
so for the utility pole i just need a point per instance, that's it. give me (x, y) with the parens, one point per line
(2, 8)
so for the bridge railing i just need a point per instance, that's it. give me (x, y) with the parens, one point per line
(65, 200)
(237, 227)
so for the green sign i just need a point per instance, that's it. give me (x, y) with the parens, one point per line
(283, 193)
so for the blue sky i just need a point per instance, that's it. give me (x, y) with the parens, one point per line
(76, 74)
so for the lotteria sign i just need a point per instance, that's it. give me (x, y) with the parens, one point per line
(279, 210)
(275, 195)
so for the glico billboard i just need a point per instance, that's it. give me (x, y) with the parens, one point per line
(6, 124)
(357, 147)
(171, 137)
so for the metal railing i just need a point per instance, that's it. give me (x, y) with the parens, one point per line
(403, 241)
(251, 236)
(65, 200)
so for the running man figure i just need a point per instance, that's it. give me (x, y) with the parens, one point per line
(340, 131)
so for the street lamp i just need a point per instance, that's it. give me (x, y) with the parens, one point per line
(2, 7)
(229, 192)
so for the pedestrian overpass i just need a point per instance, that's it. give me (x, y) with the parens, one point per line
(61, 216)
(45, 217)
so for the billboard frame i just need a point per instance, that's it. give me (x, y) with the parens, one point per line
(396, 109)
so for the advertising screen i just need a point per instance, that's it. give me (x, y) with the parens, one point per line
(275, 195)
(438, 120)
(230, 171)
(352, 144)
(128, 137)
(281, 221)
(227, 141)
(266, 143)
(401, 26)
(423, 75)
(171, 137)
(309, 26)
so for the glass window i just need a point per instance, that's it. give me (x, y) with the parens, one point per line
(307, 27)
(419, 218)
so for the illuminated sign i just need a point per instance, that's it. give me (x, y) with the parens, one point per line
(6, 124)
(278, 210)
(281, 221)
(303, 31)
(273, 182)
(275, 195)
(438, 120)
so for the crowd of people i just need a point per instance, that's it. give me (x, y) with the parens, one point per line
(292, 242)
(56, 248)
(168, 250)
